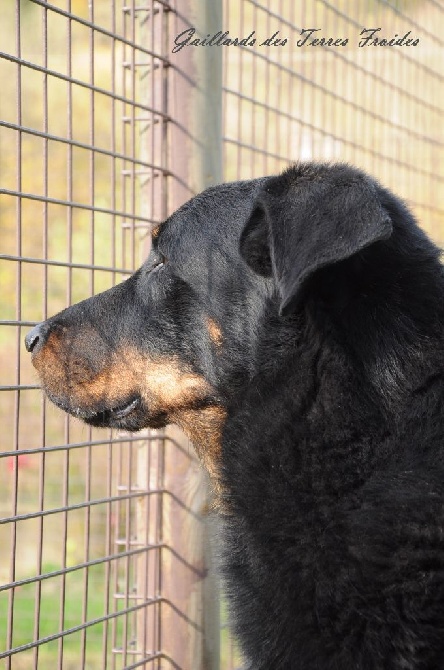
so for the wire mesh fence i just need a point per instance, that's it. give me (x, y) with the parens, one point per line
(101, 562)
(81, 530)
(376, 106)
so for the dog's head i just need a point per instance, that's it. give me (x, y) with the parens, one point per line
(179, 338)
(168, 340)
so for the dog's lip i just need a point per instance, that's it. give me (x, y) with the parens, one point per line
(123, 410)
(116, 412)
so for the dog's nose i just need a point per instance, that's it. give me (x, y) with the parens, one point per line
(36, 338)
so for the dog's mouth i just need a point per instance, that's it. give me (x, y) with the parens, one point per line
(117, 413)
(127, 415)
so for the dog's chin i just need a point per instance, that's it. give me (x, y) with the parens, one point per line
(131, 414)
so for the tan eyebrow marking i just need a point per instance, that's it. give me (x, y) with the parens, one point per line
(155, 231)
(215, 332)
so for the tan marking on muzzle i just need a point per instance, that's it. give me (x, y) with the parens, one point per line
(214, 331)
(165, 385)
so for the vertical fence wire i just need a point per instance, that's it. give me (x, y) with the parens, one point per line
(378, 107)
(81, 511)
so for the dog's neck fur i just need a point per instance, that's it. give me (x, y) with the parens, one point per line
(342, 403)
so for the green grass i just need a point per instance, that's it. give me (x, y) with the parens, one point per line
(24, 609)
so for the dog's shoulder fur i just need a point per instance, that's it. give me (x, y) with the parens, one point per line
(333, 459)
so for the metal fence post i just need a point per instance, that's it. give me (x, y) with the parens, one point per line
(195, 144)
(190, 146)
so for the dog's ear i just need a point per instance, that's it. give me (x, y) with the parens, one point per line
(308, 218)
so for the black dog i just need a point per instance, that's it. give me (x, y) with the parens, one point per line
(293, 326)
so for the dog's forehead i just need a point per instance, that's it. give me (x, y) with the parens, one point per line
(218, 214)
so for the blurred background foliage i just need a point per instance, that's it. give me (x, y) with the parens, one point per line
(43, 168)
(46, 167)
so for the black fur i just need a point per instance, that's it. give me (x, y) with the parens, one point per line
(330, 371)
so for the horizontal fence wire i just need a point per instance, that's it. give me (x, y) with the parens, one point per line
(81, 510)
(377, 107)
